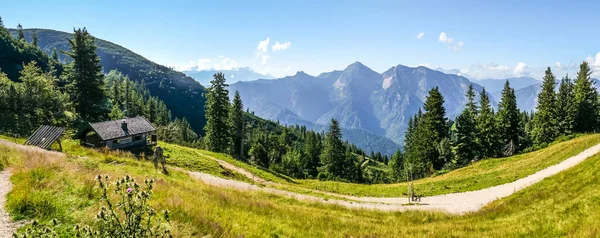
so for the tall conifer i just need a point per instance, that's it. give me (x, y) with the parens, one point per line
(544, 123)
(87, 80)
(508, 121)
(236, 119)
(585, 101)
(487, 137)
(217, 112)
(565, 108)
(34, 37)
(20, 32)
(465, 132)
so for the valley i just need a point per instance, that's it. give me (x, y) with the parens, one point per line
(197, 119)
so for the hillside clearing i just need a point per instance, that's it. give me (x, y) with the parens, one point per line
(199, 210)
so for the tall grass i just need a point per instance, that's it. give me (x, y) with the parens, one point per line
(563, 205)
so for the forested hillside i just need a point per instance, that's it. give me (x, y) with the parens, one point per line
(434, 143)
(181, 94)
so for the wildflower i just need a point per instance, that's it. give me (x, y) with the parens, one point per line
(129, 190)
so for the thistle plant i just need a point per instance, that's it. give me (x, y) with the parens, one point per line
(127, 216)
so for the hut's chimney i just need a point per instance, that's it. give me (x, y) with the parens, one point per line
(124, 125)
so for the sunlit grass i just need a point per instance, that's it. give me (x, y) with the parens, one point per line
(48, 187)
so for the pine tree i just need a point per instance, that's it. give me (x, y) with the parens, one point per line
(544, 123)
(435, 127)
(34, 40)
(565, 108)
(20, 32)
(236, 119)
(116, 113)
(397, 165)
(465, 132)
(508, 121)
(259, 149)
(128, 101)
(585, 101)
(333, 156)
(487, 136)
(116, 91)
(55, 55)
(1, 23)
(312, 150)
(87, 80)
(217, 110)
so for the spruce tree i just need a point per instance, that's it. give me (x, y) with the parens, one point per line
(435, 127)
(55, 55)
(545, 124)
(217, 112)
(20, 32)
(585, 101)
(236, 119)
(508, 121)
(87, 81)
(465, 132)
(312, 150)
(487, 136)
(1, 23)
(333, 157)
(397, 165)
(565, 108)
(34, 37)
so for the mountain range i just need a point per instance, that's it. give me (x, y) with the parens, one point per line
(233, 75)
(373, 108)
(358, 97)
(496, 85)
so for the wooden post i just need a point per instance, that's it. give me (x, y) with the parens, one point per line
(59, 144)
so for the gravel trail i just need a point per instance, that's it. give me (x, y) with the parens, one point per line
(7, 227)
(455, 203)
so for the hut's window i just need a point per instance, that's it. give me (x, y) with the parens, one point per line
(117, 141)
(137, 138)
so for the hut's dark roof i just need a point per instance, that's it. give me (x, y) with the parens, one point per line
(45, 136)
(108, 130)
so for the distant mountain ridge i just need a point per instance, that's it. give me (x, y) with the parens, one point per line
(233, 75)
(496, 85)
(527, 97)
(358, 97)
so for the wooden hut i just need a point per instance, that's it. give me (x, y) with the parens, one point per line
(128, 133)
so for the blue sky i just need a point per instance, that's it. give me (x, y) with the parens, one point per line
(483, 39)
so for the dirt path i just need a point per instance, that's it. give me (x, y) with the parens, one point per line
(238, 170)
(7, 227)
(456, 203)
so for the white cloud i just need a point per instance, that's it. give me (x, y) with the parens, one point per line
(521, 70)
(420, 35)
(281, 46)
(263, 46)
(487, 70)
(558, 66)
(594, 63)
(450, 42)
(287, 69)
(262, 50)
(220, 63)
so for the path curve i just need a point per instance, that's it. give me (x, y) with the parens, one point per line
(7, 227)
(456, 203)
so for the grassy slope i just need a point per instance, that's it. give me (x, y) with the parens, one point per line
(482, 174)
(563, 205)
